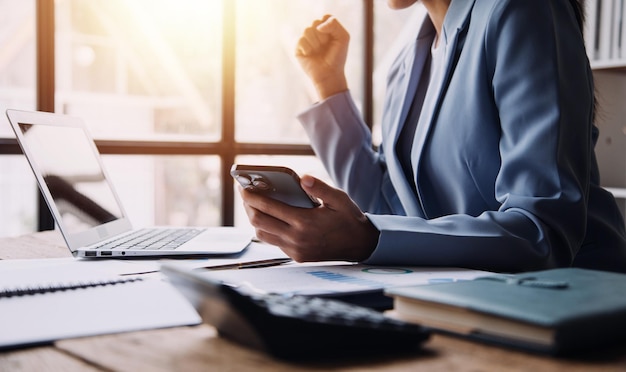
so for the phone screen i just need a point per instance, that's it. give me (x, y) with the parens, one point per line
(279, 183)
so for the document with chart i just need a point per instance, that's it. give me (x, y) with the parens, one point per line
(339, 279)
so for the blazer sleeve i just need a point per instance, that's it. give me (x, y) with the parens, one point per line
(343, 143)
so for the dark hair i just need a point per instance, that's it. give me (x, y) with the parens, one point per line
(580, 13)
(580, 17)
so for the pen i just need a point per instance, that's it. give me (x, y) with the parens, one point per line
(251, 264)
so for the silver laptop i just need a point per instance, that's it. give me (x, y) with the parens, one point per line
(85, 206)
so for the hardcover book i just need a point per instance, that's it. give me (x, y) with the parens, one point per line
(554, 311)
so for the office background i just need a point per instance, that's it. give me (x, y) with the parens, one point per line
(176, 91)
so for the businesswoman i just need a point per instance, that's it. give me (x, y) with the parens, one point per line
(487, 156)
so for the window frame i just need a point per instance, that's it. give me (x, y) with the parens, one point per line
(227, 148)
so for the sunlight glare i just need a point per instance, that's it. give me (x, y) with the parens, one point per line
(184, 21)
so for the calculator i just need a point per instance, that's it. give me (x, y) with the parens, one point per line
(294, 326)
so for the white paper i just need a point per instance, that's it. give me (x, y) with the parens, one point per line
(42, 318)
(254, 253)
(20, 273)
(35, 271)
(52, 314)
(337, 278)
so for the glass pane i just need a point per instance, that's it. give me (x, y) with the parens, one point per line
(300, 164)
(18, 196)
(17, 59)
(141, 68)
(18, 193)
(394, 29)
(168, 190)
(271, 89)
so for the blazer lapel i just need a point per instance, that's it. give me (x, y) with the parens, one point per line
(455, 23)
(421, 53)
(414, 65)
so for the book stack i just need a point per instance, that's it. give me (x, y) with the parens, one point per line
(557, 311)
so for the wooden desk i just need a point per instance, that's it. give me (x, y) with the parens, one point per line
(199, 348)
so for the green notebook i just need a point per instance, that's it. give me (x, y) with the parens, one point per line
(554, 311)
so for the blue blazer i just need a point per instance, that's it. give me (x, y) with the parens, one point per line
(505, 173)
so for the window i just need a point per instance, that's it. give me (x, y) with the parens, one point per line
(174, 92)
(18, 193)
(270, 86)
(141, 69)
(148, 70)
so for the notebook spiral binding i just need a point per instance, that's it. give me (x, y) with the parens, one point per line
(41, 289)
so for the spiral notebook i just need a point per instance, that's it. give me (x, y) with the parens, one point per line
(34, 312)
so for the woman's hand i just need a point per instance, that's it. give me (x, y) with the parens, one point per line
(322, 51)
(336, 230)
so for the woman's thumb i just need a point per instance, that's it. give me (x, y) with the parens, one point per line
(316, 188)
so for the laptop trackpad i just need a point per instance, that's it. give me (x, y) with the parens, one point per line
(220, 240)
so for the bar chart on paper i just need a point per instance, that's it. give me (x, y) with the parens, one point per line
(315, 279)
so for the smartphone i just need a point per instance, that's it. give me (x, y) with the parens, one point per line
(279, 183)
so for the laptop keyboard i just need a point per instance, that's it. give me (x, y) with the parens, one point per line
(152, 239)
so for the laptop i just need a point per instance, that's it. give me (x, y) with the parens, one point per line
(85, 205)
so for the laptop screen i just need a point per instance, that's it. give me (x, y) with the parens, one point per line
(71, 169)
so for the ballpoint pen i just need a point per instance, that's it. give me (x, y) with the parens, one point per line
(251, 264)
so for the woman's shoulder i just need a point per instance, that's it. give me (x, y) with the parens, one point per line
(498, 20)
(493, 10)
